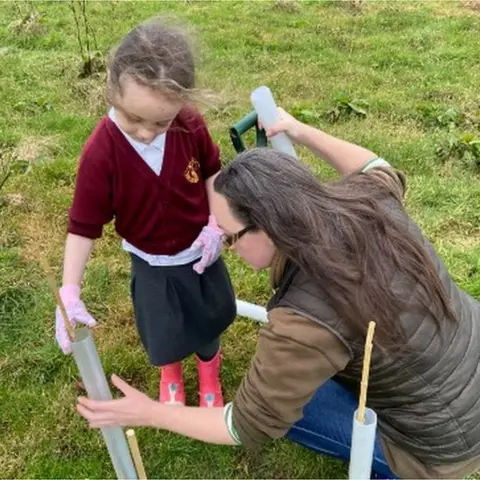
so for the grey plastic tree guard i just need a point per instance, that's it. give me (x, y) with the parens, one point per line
(363, 442)
(93, 377)
(264, 104)
(252, 311)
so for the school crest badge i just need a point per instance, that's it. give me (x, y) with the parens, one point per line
(192, 171)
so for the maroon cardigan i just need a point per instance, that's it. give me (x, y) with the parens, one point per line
(160, 215)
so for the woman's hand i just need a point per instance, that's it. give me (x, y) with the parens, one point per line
(134, 409)
(137, 410)
(343, 156)
(286, 124)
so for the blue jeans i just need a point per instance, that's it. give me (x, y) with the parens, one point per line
(326, 427)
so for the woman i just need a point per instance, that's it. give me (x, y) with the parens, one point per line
(340, 255)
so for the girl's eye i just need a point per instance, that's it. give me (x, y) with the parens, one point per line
(130, 118)
(161, 124)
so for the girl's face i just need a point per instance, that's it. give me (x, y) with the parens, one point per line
(143, 113)
(254, 246)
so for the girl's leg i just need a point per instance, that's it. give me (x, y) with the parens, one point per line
(208, 351)
(326, 426)
(214, 312)
(155, 305)
(209, 360)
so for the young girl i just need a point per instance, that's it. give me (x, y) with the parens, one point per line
(149, 165)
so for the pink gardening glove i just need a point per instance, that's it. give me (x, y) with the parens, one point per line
(210, 239)
(70, 295)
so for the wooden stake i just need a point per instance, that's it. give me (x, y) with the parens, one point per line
(53, 286)
(137, 458)
(365, 373)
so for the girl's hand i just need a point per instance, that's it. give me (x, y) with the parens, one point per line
(76, 313)
(286, 124)
(210, 240)
(134, 409)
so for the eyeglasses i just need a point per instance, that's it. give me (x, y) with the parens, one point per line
(230, 240)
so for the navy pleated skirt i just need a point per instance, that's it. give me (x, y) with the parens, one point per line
(178, 311)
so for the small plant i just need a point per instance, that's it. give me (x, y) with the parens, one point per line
(345, 107)
(30, 22)
(436, 117)
(305, 114)
(465, 148)
(448, 117)
(91, 58)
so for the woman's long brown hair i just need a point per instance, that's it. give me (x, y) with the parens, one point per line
(343, 235)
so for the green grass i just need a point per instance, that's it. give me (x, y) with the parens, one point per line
(410, 63)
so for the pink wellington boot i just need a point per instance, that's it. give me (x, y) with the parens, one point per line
(210, 388)
(171, 384)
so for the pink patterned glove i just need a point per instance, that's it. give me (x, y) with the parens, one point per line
(210, 239)
(70, 295)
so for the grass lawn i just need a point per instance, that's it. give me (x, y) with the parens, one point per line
(399, 77)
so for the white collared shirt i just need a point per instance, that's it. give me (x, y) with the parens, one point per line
(153, 154)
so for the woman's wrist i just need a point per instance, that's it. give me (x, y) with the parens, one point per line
(304, 134)
(155, 415)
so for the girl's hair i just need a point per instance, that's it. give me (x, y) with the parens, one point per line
(157, 55)
(341, 235)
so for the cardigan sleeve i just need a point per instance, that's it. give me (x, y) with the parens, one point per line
(92, 205)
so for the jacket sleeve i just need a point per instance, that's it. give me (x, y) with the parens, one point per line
(294, 357)
(392, 178)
